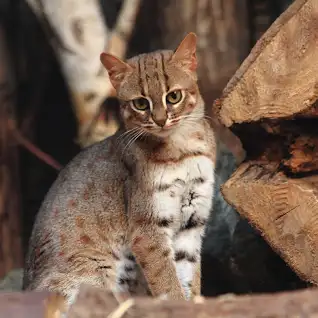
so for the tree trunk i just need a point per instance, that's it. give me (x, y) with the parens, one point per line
(270, 104)
(78, 35)
(10, 234)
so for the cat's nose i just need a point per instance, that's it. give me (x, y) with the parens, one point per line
(159, 116)
(160, 122)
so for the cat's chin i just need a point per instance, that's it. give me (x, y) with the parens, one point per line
(162, 133)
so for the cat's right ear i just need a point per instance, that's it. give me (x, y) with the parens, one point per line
(116, 68)
(185, 54)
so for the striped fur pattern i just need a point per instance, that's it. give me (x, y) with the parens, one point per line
(129, 213)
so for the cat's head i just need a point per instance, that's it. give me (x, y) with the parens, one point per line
(158, 91)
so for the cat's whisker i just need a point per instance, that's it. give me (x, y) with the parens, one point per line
(122, 138)
(191, 124)
(191, 118)
(194, 120)
(133, 138)
(196, 117)
(128, 142)
(127, 132)
(138, 134)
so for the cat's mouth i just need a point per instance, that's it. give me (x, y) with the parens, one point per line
(168, 127)
(163, 131)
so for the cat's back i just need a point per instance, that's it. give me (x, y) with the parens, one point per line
(84, 203)
(92, 178)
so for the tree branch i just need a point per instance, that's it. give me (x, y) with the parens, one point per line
(32, 148)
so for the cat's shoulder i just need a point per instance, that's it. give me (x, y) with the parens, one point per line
(95, 160)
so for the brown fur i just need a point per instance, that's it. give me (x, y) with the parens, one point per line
(102, 201)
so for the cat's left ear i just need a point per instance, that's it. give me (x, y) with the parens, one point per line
(116, 68)
(186, 52)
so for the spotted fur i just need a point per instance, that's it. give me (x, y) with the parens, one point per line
(129, 213)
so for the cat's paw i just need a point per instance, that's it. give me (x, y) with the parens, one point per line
(56, 306)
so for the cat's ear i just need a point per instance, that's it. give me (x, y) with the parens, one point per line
(116, 68)
(186, 52)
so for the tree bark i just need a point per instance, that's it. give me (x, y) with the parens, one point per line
(279, 77)
(270, 105)
(94, 302)
(78, 35)
(283, 209)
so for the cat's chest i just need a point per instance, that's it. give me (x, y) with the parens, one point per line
(182, 189)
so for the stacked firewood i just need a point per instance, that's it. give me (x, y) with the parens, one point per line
(270, 103)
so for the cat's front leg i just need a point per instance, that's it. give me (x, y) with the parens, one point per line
(151, 216)
(152, 249)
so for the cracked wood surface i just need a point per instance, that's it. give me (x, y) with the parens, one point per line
(279, 77)
(270, 103)
(285, 210)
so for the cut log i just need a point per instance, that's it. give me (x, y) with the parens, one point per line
(279, 77)
(96, 303)
(285, 211)
(25, 305)
(304, 155)
(270, 104)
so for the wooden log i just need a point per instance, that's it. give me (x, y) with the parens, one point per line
(284, 209)
(270, 104)
(93, 302)
(291, 142)
(24, 305)
(304, 155)
(279, 77)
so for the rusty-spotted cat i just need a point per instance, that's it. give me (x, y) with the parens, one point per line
(129, 213)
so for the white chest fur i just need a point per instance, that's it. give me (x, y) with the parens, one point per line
(183, 189)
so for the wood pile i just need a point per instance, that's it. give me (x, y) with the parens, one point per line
(270, 104)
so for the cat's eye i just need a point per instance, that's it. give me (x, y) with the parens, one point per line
(174, 97)
(141, 103)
